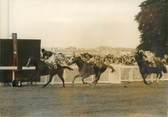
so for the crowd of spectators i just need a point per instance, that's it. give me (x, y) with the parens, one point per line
(109, 59)
(125, 59)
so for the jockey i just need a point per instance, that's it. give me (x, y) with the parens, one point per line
(142, 55)
(49, 58)
(91, 60)
(85, 56)
(46, 54)
(96, 60)
(152, 60)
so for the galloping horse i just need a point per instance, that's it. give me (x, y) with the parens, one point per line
(86, 69)
(43, 68)
(146, 69)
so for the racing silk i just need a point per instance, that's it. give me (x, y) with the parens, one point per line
(51, 61)
(96, 60)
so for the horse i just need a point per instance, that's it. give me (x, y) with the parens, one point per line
(43, 68)
(146, 69)
(86, 69)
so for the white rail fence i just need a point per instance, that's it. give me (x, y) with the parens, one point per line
(122, 73)
(14, 68)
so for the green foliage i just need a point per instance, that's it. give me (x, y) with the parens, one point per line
(153, 26)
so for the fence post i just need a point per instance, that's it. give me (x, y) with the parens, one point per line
(109, 78)
(13, 75)
(15, 57)
(119, 72)
(130, 76)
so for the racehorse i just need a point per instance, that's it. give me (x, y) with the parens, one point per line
(43, 68)
(146, 69)
(86, 69)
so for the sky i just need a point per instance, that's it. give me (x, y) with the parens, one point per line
(78, 23)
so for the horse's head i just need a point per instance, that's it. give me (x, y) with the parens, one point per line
(139, 58)
(139, 55)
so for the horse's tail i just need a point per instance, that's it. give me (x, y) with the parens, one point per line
(66, 67)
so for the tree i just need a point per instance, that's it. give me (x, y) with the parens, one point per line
(153, 26)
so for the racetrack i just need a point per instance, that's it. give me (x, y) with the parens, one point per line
(103, 100)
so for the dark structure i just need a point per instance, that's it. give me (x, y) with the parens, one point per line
(153, 26)
(25, 49)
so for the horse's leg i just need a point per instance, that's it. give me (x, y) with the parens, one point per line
(155, 85)
(157, 81)
(50, 79)
(144, 76)
(152, 77)
(97, 77)
(75, 78)
(34, 76)
(160, 75)
(95, 81)
(62, 79)
(83, 80)
(157, 75)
